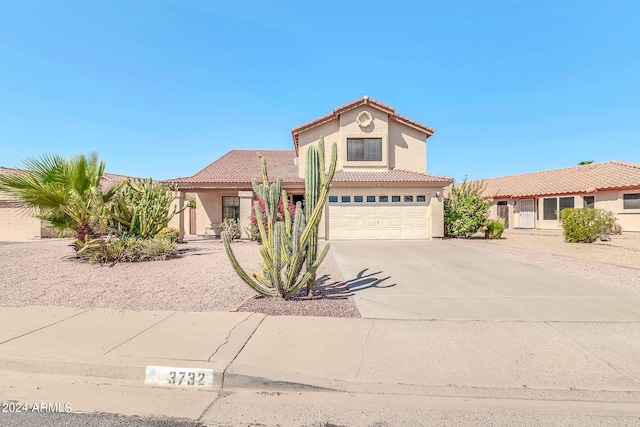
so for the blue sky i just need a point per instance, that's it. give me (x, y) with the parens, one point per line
(162, 88)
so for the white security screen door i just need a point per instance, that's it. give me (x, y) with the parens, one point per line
(527, 219)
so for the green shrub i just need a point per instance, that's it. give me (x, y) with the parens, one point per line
(127, 249)
(495, 227)
(170, 233)
(232, 227)
(465, 209)
(585, 225)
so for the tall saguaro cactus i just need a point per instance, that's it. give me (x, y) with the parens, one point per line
(313, 181)
(287, 247)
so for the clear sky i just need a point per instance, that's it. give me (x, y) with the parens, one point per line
(162, 88)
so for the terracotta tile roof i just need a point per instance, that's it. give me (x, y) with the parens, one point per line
(572, 180)
(393, 175)
(365, 100)
(108, 181)
(9, 171)
(241, 166)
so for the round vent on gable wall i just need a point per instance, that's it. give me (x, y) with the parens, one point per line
(364, 119)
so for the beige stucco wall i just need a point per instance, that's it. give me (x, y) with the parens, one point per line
(402, 146)
(331, 133)
(629, 219)
(408, 148)
(16, 223)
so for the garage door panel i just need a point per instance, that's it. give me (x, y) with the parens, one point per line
(379, 221)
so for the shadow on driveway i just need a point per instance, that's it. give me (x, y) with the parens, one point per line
(365, 281)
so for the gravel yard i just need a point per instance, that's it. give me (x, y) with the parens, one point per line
(45, 273)
(615, 263)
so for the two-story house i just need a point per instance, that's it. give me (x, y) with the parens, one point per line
(381, 189)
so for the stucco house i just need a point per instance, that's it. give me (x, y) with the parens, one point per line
(381, 189)
(532, 200)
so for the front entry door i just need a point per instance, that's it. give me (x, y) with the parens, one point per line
(526, 213)
(503, 212)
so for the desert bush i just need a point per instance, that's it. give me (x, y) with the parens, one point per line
(232, 227)
(170, 233)
(127, 249)
(142, 209)
(585, 225)
(495, 227)
(465, 209)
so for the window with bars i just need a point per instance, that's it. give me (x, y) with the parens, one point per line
(231, 207)
(364, 149)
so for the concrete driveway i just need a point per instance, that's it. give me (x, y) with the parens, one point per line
(439, 280)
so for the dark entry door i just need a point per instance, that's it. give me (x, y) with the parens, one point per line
(503, 212)
(192, 221)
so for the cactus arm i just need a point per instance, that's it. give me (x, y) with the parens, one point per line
(240, 271)
(310, 273)
(259, 220)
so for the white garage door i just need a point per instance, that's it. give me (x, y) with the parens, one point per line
(379, 217)
(15, 223)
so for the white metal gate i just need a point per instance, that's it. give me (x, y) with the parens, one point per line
(527, 219)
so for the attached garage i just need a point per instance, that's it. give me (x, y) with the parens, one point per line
(380, 216)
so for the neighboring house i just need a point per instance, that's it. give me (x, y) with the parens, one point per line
(532, 200)
(16, 222)
(381, 189)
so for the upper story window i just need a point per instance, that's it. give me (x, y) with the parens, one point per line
(364, 149)
(631, 201)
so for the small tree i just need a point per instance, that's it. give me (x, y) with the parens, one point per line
(465, 209)
(585, 225)
(64, 192)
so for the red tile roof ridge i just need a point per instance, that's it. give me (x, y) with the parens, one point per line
(587, 166)
(365, 100)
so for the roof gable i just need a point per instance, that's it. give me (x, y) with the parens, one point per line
(613, 175)
(365, 100)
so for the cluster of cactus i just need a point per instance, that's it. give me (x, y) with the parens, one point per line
(287, 247)
(142, 209)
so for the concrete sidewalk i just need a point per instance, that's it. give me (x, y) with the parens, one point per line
(492, 359)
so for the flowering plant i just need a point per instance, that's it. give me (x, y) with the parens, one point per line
(255, 231)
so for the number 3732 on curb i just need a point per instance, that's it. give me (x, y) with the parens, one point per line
(179, 377)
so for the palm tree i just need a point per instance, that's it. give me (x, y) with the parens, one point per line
(585, 162)
(64, 192)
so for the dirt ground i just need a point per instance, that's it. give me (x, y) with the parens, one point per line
(46, 273)
(622, 250)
